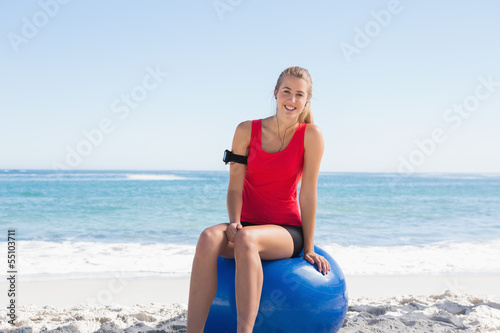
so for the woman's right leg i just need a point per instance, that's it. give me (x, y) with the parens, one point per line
(203, 286)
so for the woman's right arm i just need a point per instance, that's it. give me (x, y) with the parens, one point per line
(241, 141)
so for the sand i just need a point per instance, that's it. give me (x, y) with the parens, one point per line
(376, 304)
(435, 313)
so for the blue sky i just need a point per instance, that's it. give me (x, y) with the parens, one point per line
(408, 86)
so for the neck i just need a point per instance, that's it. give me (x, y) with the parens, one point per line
(285, 123)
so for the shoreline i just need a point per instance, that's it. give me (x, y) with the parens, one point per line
(169, 290)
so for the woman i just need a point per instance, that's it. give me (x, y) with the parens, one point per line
(265, 221)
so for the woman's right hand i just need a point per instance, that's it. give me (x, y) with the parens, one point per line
(231, 230)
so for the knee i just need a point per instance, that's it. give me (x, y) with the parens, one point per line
(244, 242)
(210, 240)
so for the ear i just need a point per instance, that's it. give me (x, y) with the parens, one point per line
(275, 94)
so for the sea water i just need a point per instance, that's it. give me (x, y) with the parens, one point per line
(146, 223)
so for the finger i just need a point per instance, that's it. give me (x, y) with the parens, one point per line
(327, 265)
(314, 260)
(309, 259)
(323, 265)
(321, 268)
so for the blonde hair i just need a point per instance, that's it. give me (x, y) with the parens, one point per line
(306, 115)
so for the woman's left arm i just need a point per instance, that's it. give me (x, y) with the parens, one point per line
(313, 152)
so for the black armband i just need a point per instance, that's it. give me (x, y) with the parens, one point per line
(230, 157)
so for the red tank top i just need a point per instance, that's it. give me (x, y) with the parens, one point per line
(271, 179)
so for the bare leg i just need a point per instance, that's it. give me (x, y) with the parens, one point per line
(248, 282)
(203, 286)
(250, 246)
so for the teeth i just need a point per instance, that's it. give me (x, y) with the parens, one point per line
(289, 107)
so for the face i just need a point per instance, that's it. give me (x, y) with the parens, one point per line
(291, 97)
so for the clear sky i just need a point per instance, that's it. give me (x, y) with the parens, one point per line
(409, 86)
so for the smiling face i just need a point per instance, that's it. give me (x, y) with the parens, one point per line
(291, 97)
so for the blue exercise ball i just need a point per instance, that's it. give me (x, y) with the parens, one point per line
(296, 297)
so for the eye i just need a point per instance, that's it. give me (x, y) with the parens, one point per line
(300, 95)
(286, 91)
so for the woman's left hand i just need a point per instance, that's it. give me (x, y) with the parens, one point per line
(314, 258)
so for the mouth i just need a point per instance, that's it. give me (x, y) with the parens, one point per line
(290, 108)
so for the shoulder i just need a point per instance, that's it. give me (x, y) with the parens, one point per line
(244, 130)
(245, 126)
(313, 135)
(242, 136)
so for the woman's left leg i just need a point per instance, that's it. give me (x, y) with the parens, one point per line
(251, 245)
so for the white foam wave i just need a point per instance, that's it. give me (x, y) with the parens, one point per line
(87, 176)
(439, 258)
(51, 260)
(457, 176)
(154, 177)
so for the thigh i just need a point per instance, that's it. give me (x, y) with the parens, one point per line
(273, 241)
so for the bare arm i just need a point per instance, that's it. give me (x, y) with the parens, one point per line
(313, 152)
(241, 141)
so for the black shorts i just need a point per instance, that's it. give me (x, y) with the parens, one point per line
(294, 230)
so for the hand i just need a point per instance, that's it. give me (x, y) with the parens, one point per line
(231, 230)
(314, 258)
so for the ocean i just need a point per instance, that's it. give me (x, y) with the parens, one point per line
(73, 224)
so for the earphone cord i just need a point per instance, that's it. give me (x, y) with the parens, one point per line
(284, 135)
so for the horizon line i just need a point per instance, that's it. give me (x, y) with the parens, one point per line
(208, 170)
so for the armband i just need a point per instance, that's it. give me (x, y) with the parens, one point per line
(230, 157)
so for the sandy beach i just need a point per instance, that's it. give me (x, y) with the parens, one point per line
(451, 303)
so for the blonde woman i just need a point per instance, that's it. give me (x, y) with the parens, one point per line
(265, 222)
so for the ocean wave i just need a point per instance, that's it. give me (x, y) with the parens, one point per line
(458, 176)
(43, 260)
(435, 258)
(154, 177)
(86, 176)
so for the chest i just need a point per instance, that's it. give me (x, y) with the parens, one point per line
(271, 142)
(267, 163)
